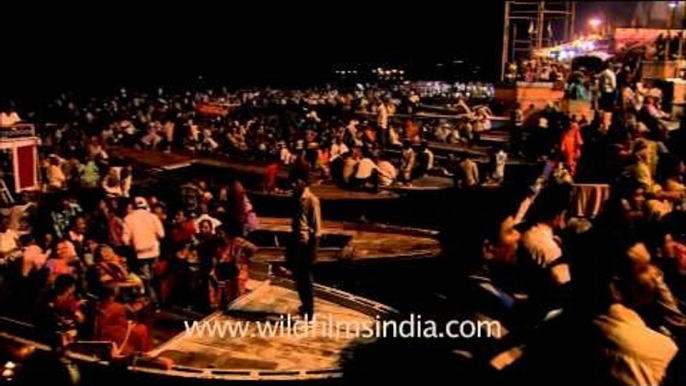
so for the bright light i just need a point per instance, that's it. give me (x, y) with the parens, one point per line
(673, 4)
(10, 365)
(595, 22)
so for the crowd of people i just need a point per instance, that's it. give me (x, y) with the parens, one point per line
(91, 257)
(608, 289)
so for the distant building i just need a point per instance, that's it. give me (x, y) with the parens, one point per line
(656, 14)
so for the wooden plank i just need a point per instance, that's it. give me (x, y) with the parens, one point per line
(319, 349)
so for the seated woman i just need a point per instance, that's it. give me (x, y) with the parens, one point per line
(110, 271)
(231, 273)
(63, 261)
(112, 324)
(61, 311)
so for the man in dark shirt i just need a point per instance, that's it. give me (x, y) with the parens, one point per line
(306, 232)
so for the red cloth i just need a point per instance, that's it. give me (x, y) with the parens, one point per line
(113, 325)
(183, 233)
(270, 177)
(571, 147)
(27, 167)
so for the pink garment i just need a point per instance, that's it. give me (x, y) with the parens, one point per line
(33, 258)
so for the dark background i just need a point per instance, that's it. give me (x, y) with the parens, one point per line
(49, 48)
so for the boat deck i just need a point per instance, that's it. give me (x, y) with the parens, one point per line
(368, 242)
(296, 349)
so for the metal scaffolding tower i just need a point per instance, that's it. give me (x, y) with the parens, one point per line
(531, 25)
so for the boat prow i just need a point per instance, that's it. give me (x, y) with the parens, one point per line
(247, 351)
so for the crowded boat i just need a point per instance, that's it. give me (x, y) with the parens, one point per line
(560, 219)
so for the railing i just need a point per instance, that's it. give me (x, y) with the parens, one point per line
(19, 130)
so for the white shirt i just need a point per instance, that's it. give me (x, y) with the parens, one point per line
(387, 173)
(285, 156)
(143, 230)
(471, 172)
(365, 168)
(215, 223)
(539, 243)
(337, 150)
(430, 159)
(634, 354)
(9, 119)
(500, 160)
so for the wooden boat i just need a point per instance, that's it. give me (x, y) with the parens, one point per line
(223, 169)
(348, 242)
(214, 109)
(244, 357)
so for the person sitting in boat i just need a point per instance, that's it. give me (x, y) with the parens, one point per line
(388, 173)
(204, 215)
(462, 107)
(110, 271)
(369, 173)
(394, 137)
(32, 255)
(350, 162)
(499, 161)
(425, 161)
(237, 140)
(9, 240)
(231, 273)
(183, 228)
(239, 210)
(63, 261)
(61, 312)
(442, 132)
(482, 119)
(407, 162)
(465, 128)
(468, 172)
(338, 148)
(112, 324)
(270, 172)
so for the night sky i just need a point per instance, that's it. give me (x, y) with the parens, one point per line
(263, 44)
(285, 43)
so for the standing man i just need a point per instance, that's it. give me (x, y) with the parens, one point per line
(517, 136)
(143, 232)
(607, 85)
(306, 232)
(382, 121)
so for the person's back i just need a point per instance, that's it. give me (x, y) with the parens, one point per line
(388, 173)
(470, 172)
(349, 168)
(632, 353)
(143, 230)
